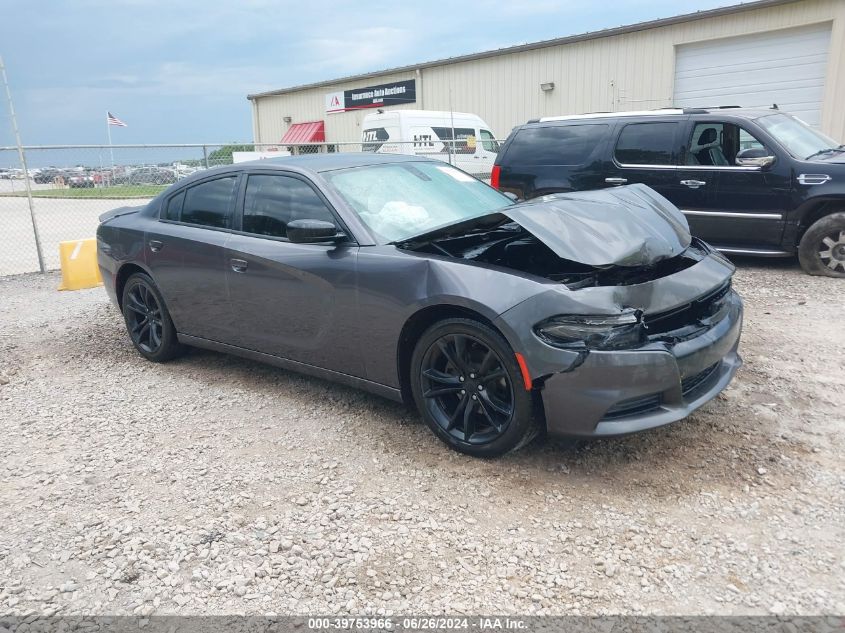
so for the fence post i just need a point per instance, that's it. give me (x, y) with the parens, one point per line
(22, 158)
(205, 155)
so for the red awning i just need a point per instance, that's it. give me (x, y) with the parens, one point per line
(311, 132)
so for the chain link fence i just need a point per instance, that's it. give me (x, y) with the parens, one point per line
(71, 186)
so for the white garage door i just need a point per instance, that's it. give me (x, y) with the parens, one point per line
(785, 67)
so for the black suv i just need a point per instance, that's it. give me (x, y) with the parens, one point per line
(755, 182)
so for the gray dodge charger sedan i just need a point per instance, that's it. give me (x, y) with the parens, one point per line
(585, 314)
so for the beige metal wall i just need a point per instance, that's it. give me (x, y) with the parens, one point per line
(624, 72)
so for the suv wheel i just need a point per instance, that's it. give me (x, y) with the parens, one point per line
(822, 249)
(469, 389)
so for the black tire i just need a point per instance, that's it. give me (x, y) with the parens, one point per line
(822, 248)
(469, 389)
(148, 321)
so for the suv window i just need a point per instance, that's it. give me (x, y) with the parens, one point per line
(556, 145)
(646, 144)
(718, 144)
(274, 201)
(210, 203)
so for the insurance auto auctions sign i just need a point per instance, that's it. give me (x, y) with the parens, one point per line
(372, 96)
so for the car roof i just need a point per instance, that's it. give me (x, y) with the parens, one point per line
(723, 111)
(327, 162)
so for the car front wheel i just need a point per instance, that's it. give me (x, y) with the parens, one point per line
(148, 321)
(469, 389)
(822, 249)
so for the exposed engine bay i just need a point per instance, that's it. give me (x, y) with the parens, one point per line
(511, 246)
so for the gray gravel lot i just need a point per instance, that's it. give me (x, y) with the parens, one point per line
(216, 485)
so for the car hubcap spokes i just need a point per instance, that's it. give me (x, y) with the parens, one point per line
(833, 253)
(144, 318)
(466, 389)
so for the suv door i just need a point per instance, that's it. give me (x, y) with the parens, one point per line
(647, 151)
(296, 301)
(735, 207)
(185, 254)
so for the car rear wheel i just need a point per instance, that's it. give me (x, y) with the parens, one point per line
(469, 389)
(822, 249)
(148, 321)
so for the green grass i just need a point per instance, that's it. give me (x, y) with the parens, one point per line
(120, 191)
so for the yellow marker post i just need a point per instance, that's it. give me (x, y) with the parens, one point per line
(79, 264)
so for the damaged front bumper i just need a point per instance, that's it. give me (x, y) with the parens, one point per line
(601, 393)
(620, 392)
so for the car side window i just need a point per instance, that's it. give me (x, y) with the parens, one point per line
(273, 202)
(717, 144)
(174, 207)
(488, 141)
(556, 144)
(646, 144)
(210, 203)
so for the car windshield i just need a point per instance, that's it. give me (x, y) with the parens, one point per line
(398, 201)
(797, 137)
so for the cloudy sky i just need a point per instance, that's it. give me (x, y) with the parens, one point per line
(179, 70)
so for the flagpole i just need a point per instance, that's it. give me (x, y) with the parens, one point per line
(111, 151)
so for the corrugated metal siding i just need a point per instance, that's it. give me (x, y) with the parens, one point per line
(623, 72)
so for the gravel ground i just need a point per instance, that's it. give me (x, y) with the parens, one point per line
(217, 485)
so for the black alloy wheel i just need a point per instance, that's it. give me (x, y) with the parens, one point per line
(147, 320)
(143, 318)
(469, 389)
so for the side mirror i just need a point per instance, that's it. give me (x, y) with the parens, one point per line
(754, 157)
(312, 231)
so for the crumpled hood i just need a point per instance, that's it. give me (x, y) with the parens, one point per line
(622, 226)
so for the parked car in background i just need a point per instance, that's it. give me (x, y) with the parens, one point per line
(587, 314)
(47, 176)
(146, 176)
(80, 180)
(751, 182)
(429, 133)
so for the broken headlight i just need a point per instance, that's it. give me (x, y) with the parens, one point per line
(604, 331)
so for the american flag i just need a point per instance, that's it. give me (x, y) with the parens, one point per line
(113, 120)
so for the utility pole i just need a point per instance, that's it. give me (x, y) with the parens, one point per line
(22, 158)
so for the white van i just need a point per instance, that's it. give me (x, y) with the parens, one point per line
(422, 132)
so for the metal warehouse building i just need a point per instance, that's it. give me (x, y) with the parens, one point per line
(789, 52)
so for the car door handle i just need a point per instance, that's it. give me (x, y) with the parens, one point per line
(693, 184)
(238, 265)
(155, 245)
(616, 181)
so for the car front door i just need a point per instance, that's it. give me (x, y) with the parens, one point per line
(295, 301)
(647, 152)
(185, 254)
(735, 207)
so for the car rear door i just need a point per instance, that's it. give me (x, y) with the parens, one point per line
(295, 301)
(646, 151)
(185, 254)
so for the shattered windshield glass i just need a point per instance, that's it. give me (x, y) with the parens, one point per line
(398, 201)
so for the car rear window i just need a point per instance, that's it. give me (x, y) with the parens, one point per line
(555, 145)
(647, 144)
(210, 203)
